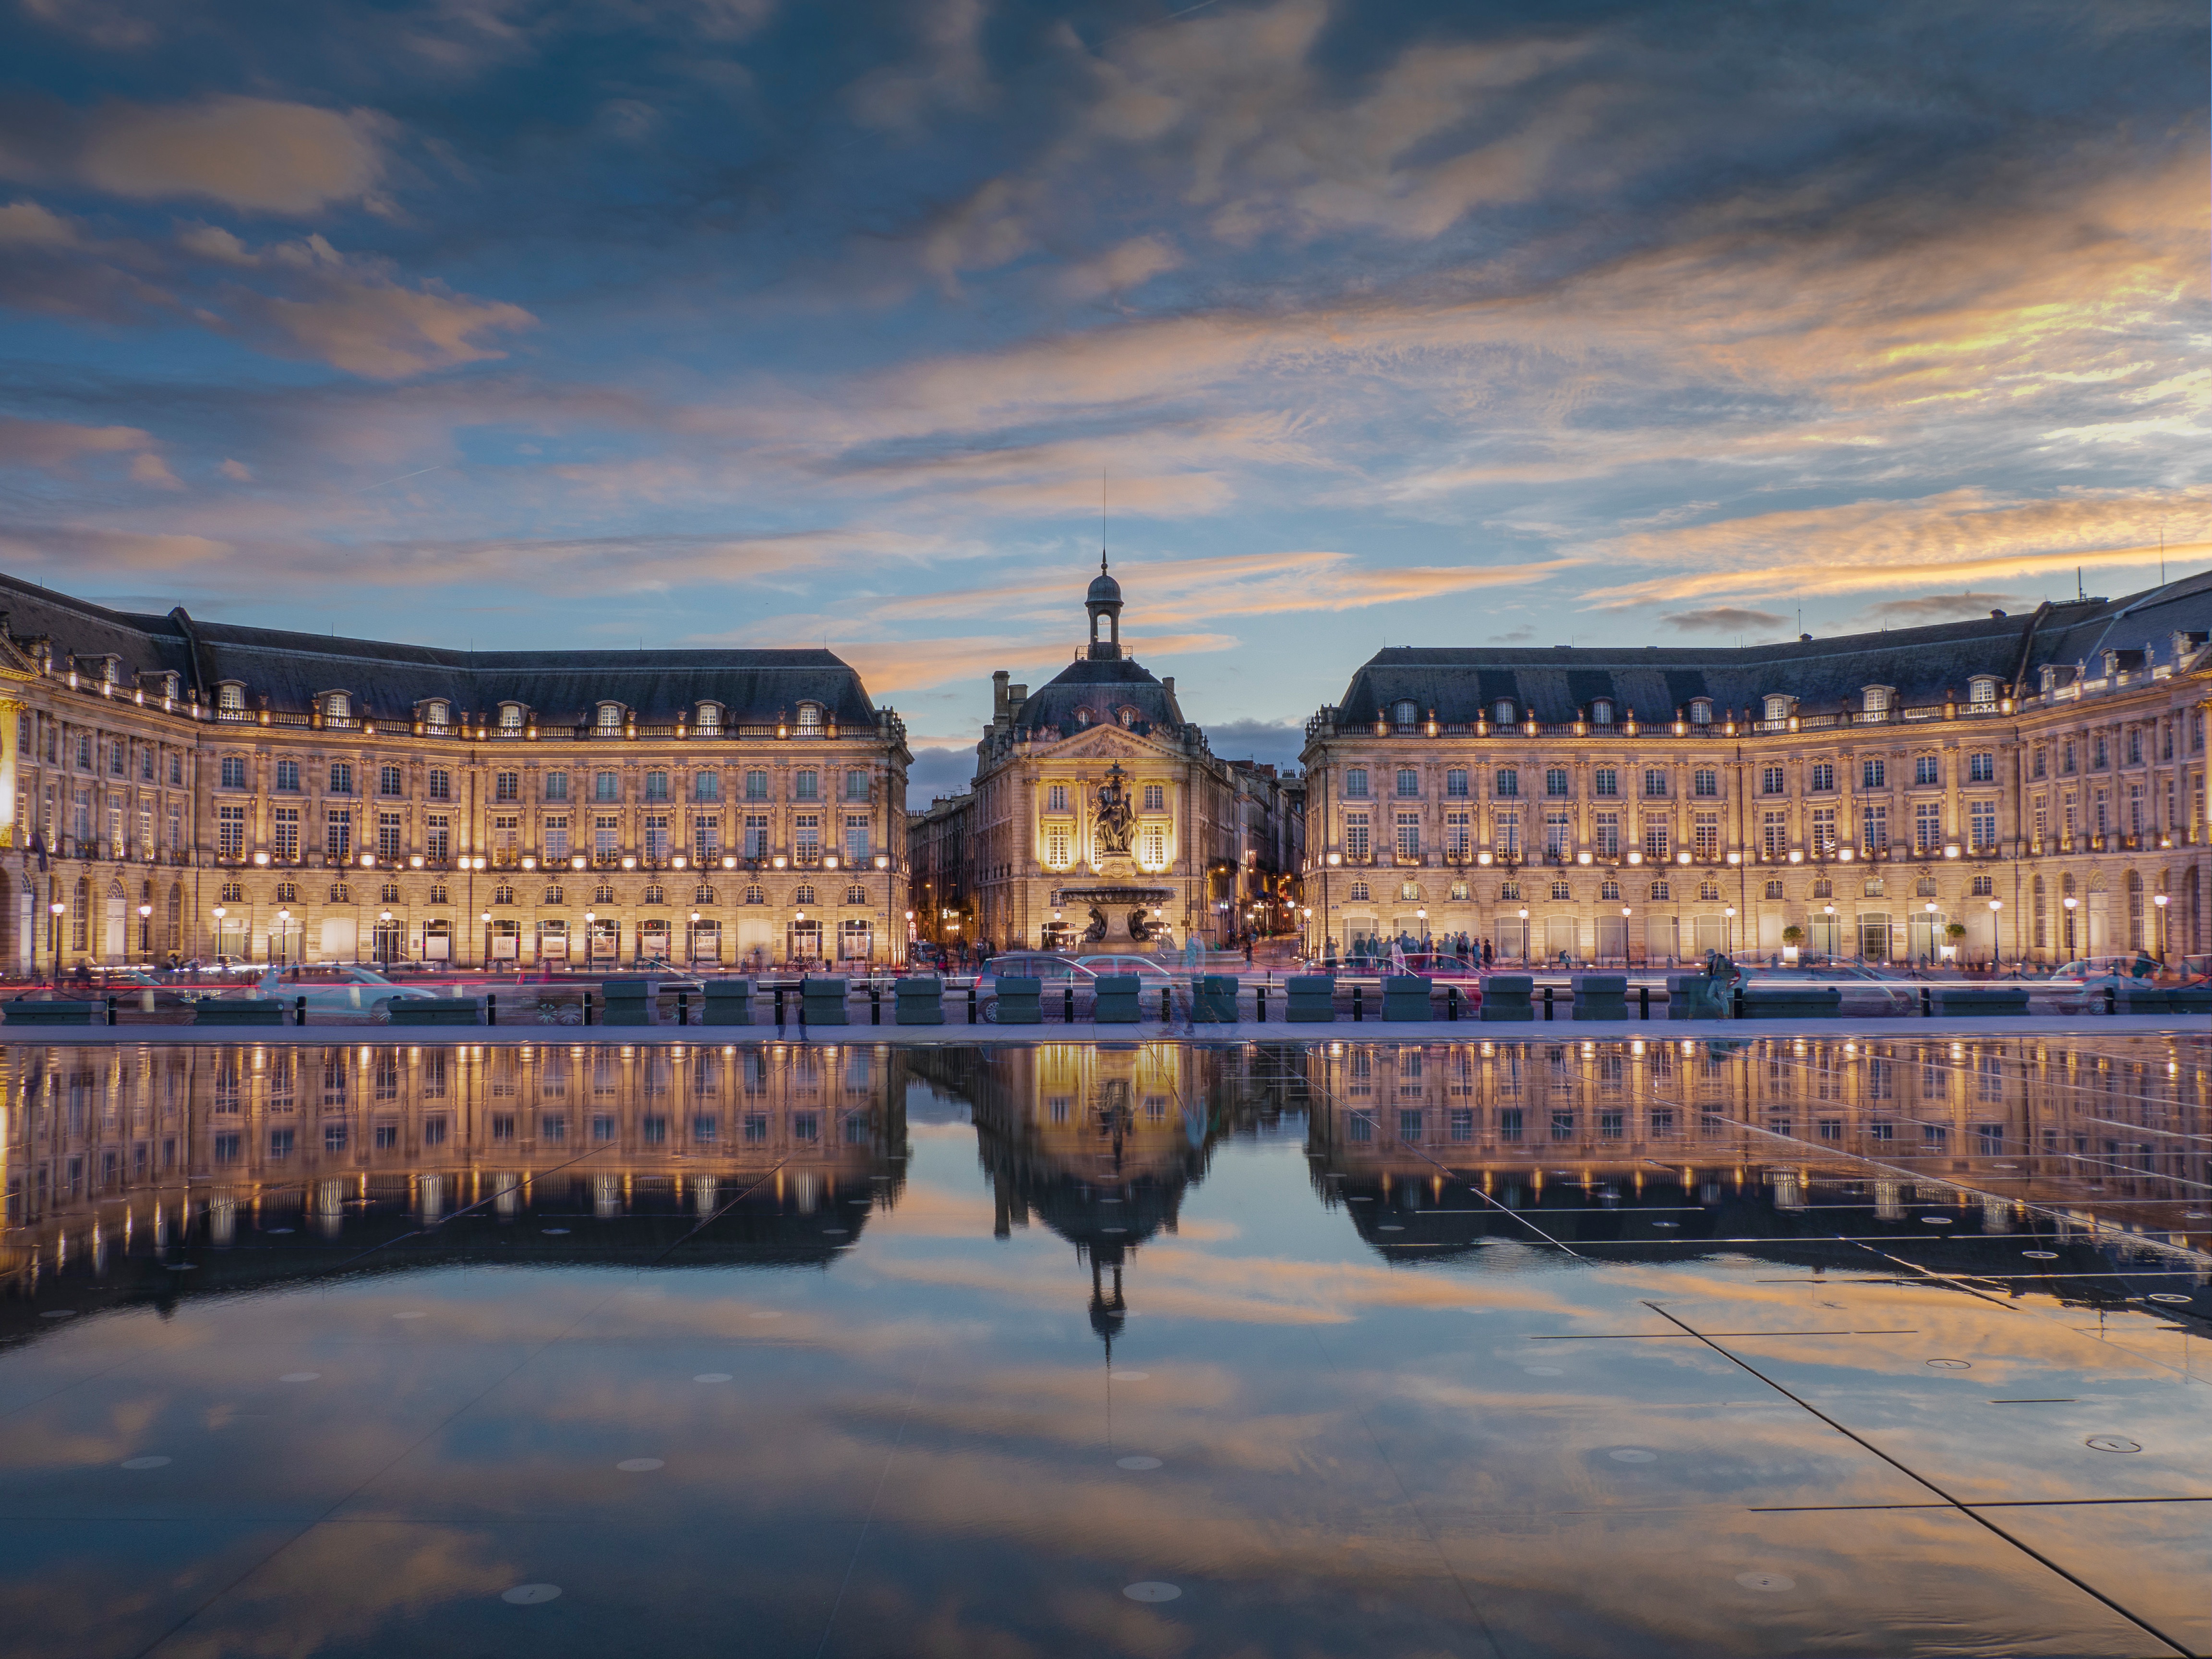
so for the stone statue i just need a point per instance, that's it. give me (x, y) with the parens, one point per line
(1140, 924)
(1097, 930)
(1116, 820)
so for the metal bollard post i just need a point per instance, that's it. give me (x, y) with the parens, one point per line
(779, 1007)
(492, 1009)
(971, 1005)
(1643, 1001)
(2112, 1000)
(1738, 1010)
(1358, 1013)
(1260, 1005)
(1452, 1004)
(1068, 1004)
(1927, 1004)
(110, 1011)
(1167, 1007)
(1547, 1002)
(683, 1007)
(875, 1004)
(587, 1008)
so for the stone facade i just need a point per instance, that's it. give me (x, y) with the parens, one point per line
(1868, 792)
(185, 789)
(1099, 818)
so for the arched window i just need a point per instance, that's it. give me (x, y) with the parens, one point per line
(230, 697)
(856, 894)
(340, 893)
(809, 718)
(1824, 889)
(1876, 699)
(710, 717)
(1084, 716)
(337, 706)
(803, 895)
(1601, 712)
(1609, 891)
(756, 895)
(1774, 890)
(1359, 892)
(437, 712)
(1503, 713)
(702, 895)
(1701, 711)
(510, 717)
(1405, 712)
(1983, 688)
(610, 717)
(654, 895)
(1127, 715)
(1777, 708)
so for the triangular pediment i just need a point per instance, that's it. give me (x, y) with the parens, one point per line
(1106, 743)
(15, 663)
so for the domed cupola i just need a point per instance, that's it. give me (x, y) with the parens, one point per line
(1104, 600)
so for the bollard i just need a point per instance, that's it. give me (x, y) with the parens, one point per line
(971, 1004)
(779, 1007)
(683, 1007)
(110, 1010)
(1927, 1004)
(1260, 1005)
(1737, 1000)
(1547, 1002)
(1167, 1007)
(300, 1011)
(492, 1009)
(1358, 1014)
(2112, 1000)
(1068, 1004)
(587, 1007)
(1452, 1004)
(1643, 1001)
(875, 1003)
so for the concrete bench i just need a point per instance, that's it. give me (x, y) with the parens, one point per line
(1019, 999)
(1309, 999)
(1405, 997)
(629, 1001)
(822, 999)
(1213, 999)
(430, 1011)
(2190, 999)
(726, 1002)
(1792, 1002)
(921, 1000)
(1506, 997)
(1120, 1000)
(1979, 1001)
(1601, 996)
(1694, 996)
(53, 1012)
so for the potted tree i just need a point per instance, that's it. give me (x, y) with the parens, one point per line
(1792, 937)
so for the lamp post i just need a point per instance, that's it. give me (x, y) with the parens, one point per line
(2162, 900)
(284, 931)
(485, 918)
(383, 940)
(2070, 903)
(146, 932)
(54, 938)
(1729, 910)
(1996, 954)
(1524, 935)
(591, 939)
(1626, 911)
(219, 914)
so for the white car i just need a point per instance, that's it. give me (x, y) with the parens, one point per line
(355, 990)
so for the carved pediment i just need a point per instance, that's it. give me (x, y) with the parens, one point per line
(1108, 743)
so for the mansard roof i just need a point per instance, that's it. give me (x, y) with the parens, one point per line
(1919, 664)
(1105, 687)
(291, 669)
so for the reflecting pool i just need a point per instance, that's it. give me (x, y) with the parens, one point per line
(1744, 1347)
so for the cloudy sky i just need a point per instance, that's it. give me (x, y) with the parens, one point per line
(614, 322)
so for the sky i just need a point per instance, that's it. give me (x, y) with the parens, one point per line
(513, 323)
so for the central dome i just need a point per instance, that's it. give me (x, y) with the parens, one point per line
(1102, 586)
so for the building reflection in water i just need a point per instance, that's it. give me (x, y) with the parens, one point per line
(116, 1156)
(132, 1151)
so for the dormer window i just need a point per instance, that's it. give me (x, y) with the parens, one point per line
(1778, 707)
(1127, 715)
(437, 712)
(1876, 699)
(1601, 712)
(1405, 712)
(1503, 713)
(1084, 717)
(1701, 711)
(510, 717)
(1983, 688)
(710, 717)
(337, 706)
(810, 720)
(230, 697)
(610, 717)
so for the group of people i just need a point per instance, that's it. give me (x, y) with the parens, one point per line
(1457, 950)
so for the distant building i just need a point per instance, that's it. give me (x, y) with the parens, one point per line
(1099, 816)
(188, 788)
(2037, 781)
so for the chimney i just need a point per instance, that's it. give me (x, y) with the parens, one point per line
(998, 694)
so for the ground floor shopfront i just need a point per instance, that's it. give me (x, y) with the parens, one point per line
(2048, 909)
(104, 915)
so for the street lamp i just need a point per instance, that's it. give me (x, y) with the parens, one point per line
(146, 931)
(1729, 910)
(384, 940)
(54, 931)
(1996, 953)
(284, 929)
(485, 917)
(2162, 900)
(2070, 903)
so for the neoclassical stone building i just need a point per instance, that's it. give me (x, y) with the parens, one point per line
(2038, 780)
(177, 786)
(1098, 817)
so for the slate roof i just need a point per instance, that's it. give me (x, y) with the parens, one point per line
(1103, 687)
(290, 669)
(1826, 676)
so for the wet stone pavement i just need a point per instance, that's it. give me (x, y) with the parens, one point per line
(1757, 1346)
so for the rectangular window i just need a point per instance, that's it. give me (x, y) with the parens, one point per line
(1409, 782)
(1706, 782)
(1508, 783)
(606, 837)
(234, 771)
(1770, 781)
(176, 828)
(1774, 834)
(1981, 768)
(806, 837)
(1558, 834)
(1927, 769)
(1355, 836)
(1871, 774)
(807, 786)
(755, 836)
(1457, 835)
(506, 839)
(557, 785)
(387, 837)
(706, 838)
(656, 786)
(1055, 798)
(1555, 782)
(656, 837)
(341, 778)
(1509, 835)
(1152, 847)
(1058, 846)
(1927, 826)
(1824, 831)
(1982, 825)
(337, 835)
(706, 786)
(1823, 775)
(1657, 840)
(1607, 831)
(507, 785)
(1706, 831)
(285, 834)
(856, 786)
(606, 786)
(556, 837)
(859, 827)
(1409, 834)
(756, 786)
(1156, 798)
(288, 774)
(1355, 783)
(230, 831)
(437, 837)
(1873, 830)
(1604, 781)
(390, 780)
(1455, 784)
(1655, 783)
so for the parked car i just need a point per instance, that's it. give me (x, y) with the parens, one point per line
(1867, 990)
(1059, 971)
